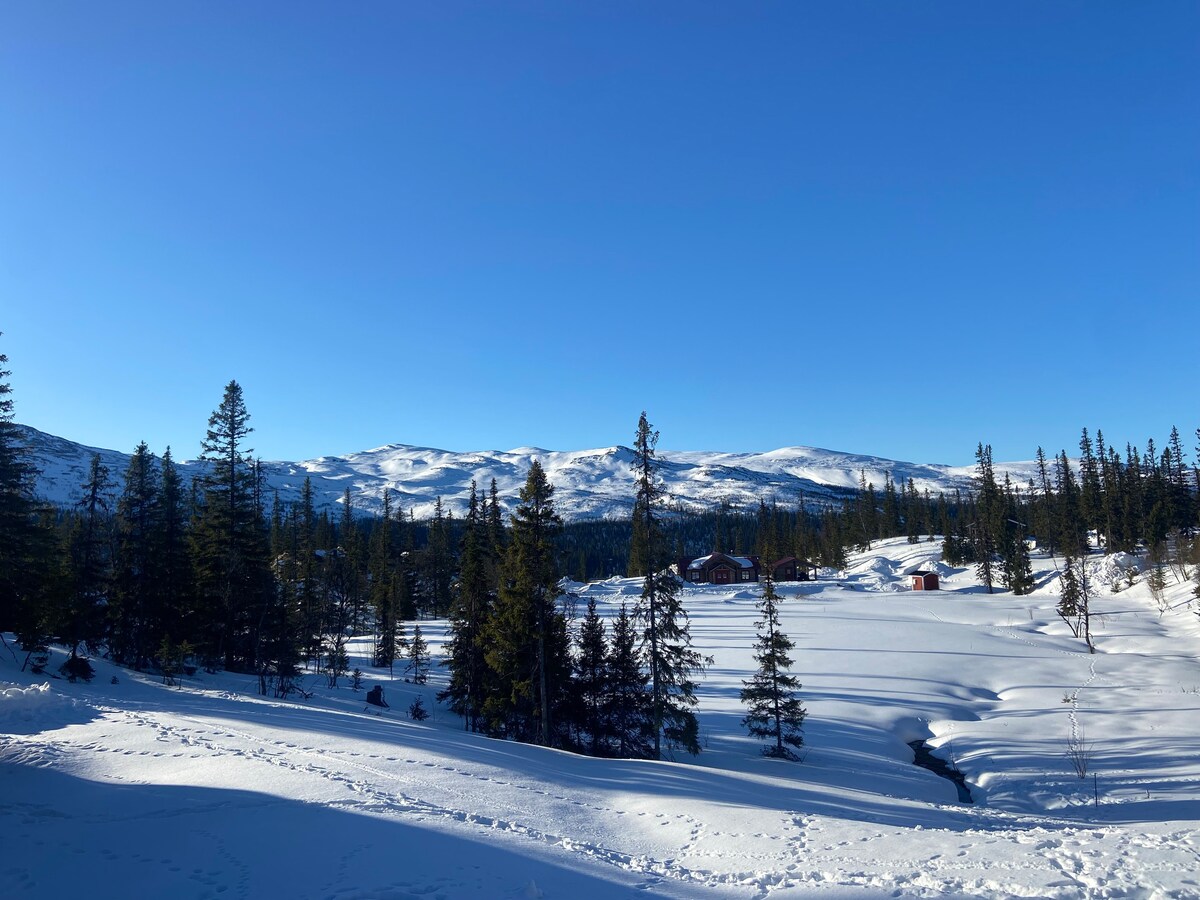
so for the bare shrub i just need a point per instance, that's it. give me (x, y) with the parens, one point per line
(1079, 751)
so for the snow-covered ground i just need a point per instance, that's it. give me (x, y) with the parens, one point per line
(130, 788)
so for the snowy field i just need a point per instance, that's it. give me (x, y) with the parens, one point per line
(128, 788)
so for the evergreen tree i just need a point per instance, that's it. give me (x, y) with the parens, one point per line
(1069, 596)
(667, 640)
(637, 545)
(591, 681)
(989, 506)
(1074, 605)
(438, 563)
(1072, 536)
(1090, 500)
(1014, 556)
(174, 579)
(418, 657)
(773, 709)
(81, 621)
(473, 602)
(495, 523)
(629, 705)
(1132, 498)
(28, 568)
(1043, 509)
(309, 596)
(135, 613)
(229, 543)
(384, 599)
(526, 641)
(343, 580)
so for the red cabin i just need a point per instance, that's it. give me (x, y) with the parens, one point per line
(924, 581)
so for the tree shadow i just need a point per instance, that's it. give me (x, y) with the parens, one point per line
(69, 836)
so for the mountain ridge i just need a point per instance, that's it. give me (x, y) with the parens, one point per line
(596, 483)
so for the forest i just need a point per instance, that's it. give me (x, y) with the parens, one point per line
(217, 574)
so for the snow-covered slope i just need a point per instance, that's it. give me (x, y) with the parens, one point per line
(212, 791)
(589, 484)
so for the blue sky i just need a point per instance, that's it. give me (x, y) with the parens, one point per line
(891, 228)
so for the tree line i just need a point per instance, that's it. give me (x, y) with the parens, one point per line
(216, 573)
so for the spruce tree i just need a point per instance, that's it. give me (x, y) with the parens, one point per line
(383, 595)
(229, 543)
(343, 578)
(439, 562)
(629, 708)
(667, 646)
(81, 621)
(526, 640)
(989, 509)
(135, 606)
(1072, 535)
(1090, 500)
(28, 564)
(310, 606)
(1043, 509)
(418, 657)
(773, 709)
(474, 598)
(591, 681)
(1014, 555)
(174, 580)
(1069, 598)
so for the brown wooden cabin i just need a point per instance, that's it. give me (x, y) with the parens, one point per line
(719, 568)
(792, 569)
(924, 581)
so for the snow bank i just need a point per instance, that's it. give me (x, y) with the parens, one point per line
(37, 708)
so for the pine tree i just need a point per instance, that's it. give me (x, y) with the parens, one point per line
(28, 568)
(1074, 605)
(229, 543)
(383, 596)
(418, 657)
(1090, 500)
(1069, 596)
(773, 709)
(1016, 569)
(989, 508)
(667, 640)
(81, 621)
(1043, 508)
(309, 602)
(526, 641)
(629, 707)
(438, 563)
(473, 601)
(134, 609)
(343, 578)
(174, 578)
(591, 681)
(1072, 536)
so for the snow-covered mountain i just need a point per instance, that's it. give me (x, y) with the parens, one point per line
(589, 484)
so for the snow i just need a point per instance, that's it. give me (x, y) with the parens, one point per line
(212, 791)
(589, 484)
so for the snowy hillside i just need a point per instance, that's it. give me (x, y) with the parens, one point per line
(212, 791)
(589, 484)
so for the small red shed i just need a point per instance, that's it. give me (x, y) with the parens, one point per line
(924, 581)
